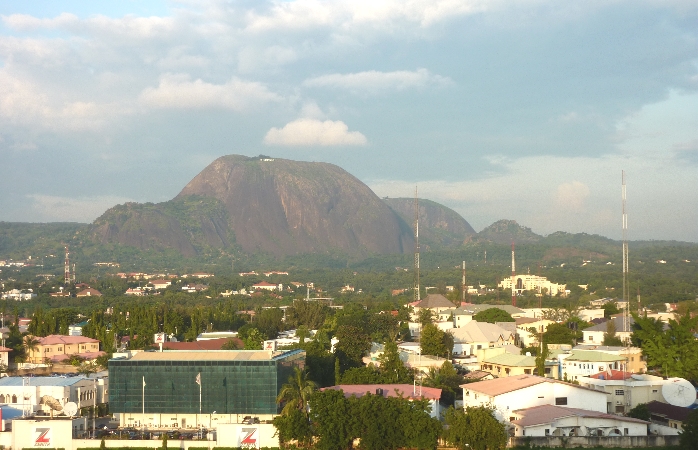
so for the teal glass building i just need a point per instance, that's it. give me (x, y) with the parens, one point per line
(196, 382)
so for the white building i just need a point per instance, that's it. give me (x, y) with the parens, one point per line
(25, 393)
(19, 295)
(623, 328)
(479, 335)
(525, 391)
(535, 283)
(549, 420)
(581, 363)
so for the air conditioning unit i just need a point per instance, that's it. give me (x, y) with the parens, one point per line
(618, 402)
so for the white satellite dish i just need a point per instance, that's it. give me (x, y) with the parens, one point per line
(679, 392)
(70, 409)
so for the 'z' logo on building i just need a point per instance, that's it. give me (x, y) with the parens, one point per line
(43, 437)
(248, 438)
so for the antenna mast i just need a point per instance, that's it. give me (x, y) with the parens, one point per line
(464, 288)
(67, 266)
(626, 294)
(513, 276)
(416, 246)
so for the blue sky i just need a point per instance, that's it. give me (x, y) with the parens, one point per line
(522, 110)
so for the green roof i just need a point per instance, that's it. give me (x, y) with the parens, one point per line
(507, 359)
(592, 356)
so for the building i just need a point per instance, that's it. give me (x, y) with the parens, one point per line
(407, 391)
(25, 393)
(160, 284)
(89, 292)
(534, 283)
(623, 328)
(550, 420)
(667, 419)
(191, 389)
(478, 335)
(509, 365)
(626, 391)
(266, 286)
(634, 361)
(19, 295)
(58, 348)
(436, 303)
(505, 395)
(581, 363)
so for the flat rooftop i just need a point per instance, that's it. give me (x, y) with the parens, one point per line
(211, 355)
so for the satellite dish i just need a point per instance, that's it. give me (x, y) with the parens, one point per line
(679, 392)
(70, 409)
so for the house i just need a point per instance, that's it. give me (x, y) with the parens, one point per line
(407, 391)
(58, 348)
(89, 292)
(580, 363)
(478, 335)
(507, 364)
(551, 420)
(198, 287)
(5, 356)
(525, 327)
(634, 362)
(266, 286)
(19, 295)
(436, 303)
(137, 291)
(624, 329)
(626, 391)
(505, 395)
(667, 419)
(160, 284)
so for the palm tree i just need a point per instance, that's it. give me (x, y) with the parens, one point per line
(30, 344)
(296, 392)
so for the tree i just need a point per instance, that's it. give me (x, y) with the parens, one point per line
(253, 339)
(164, 441)
(540, 360)
(293, 426)
(689, 435)
(640, 412)
(332, 419)
(673, 351)
(474, 428)
(447, 379)
(392, 368)
(425, 316)
(492, 315)
(351, 347)
(87, 368)
(558, 333)
(609, 337)
(231, 344)
(296, 392)
(30, 344)
(610, 309)
(431, 341)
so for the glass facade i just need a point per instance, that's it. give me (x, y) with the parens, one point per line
(228, 386)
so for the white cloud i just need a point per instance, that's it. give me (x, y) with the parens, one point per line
(179, 92)
(67, 209)
(314, 132)
(572, 196)
(376, 81)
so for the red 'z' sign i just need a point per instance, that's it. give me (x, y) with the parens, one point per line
(43, 437)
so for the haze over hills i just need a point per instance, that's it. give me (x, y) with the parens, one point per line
(438, 225)
(241, 207)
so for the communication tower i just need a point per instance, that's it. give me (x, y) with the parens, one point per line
(67, 265)
(626, 293)
(416, 246)
(513, 276)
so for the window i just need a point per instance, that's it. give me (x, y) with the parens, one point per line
(527, 371)
(620, 392)
(547, 431)
(600, 368)
(625, 431)
(560, 401)
(654, 391)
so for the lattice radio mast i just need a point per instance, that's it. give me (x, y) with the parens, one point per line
(416, 246)
(464, 288)
(626, 293)
(513, 276)
(66, 267)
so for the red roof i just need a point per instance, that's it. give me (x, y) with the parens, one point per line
(264, 283)
(388, 390)
(4, 349)
(86, 355)
(60, 339)
(615, 375)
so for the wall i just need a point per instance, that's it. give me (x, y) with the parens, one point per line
(590, 442)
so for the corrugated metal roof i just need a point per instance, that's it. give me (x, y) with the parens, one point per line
(593, 356)
(507, 359)
(538, 415)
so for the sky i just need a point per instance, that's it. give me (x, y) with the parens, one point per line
(526, 110)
